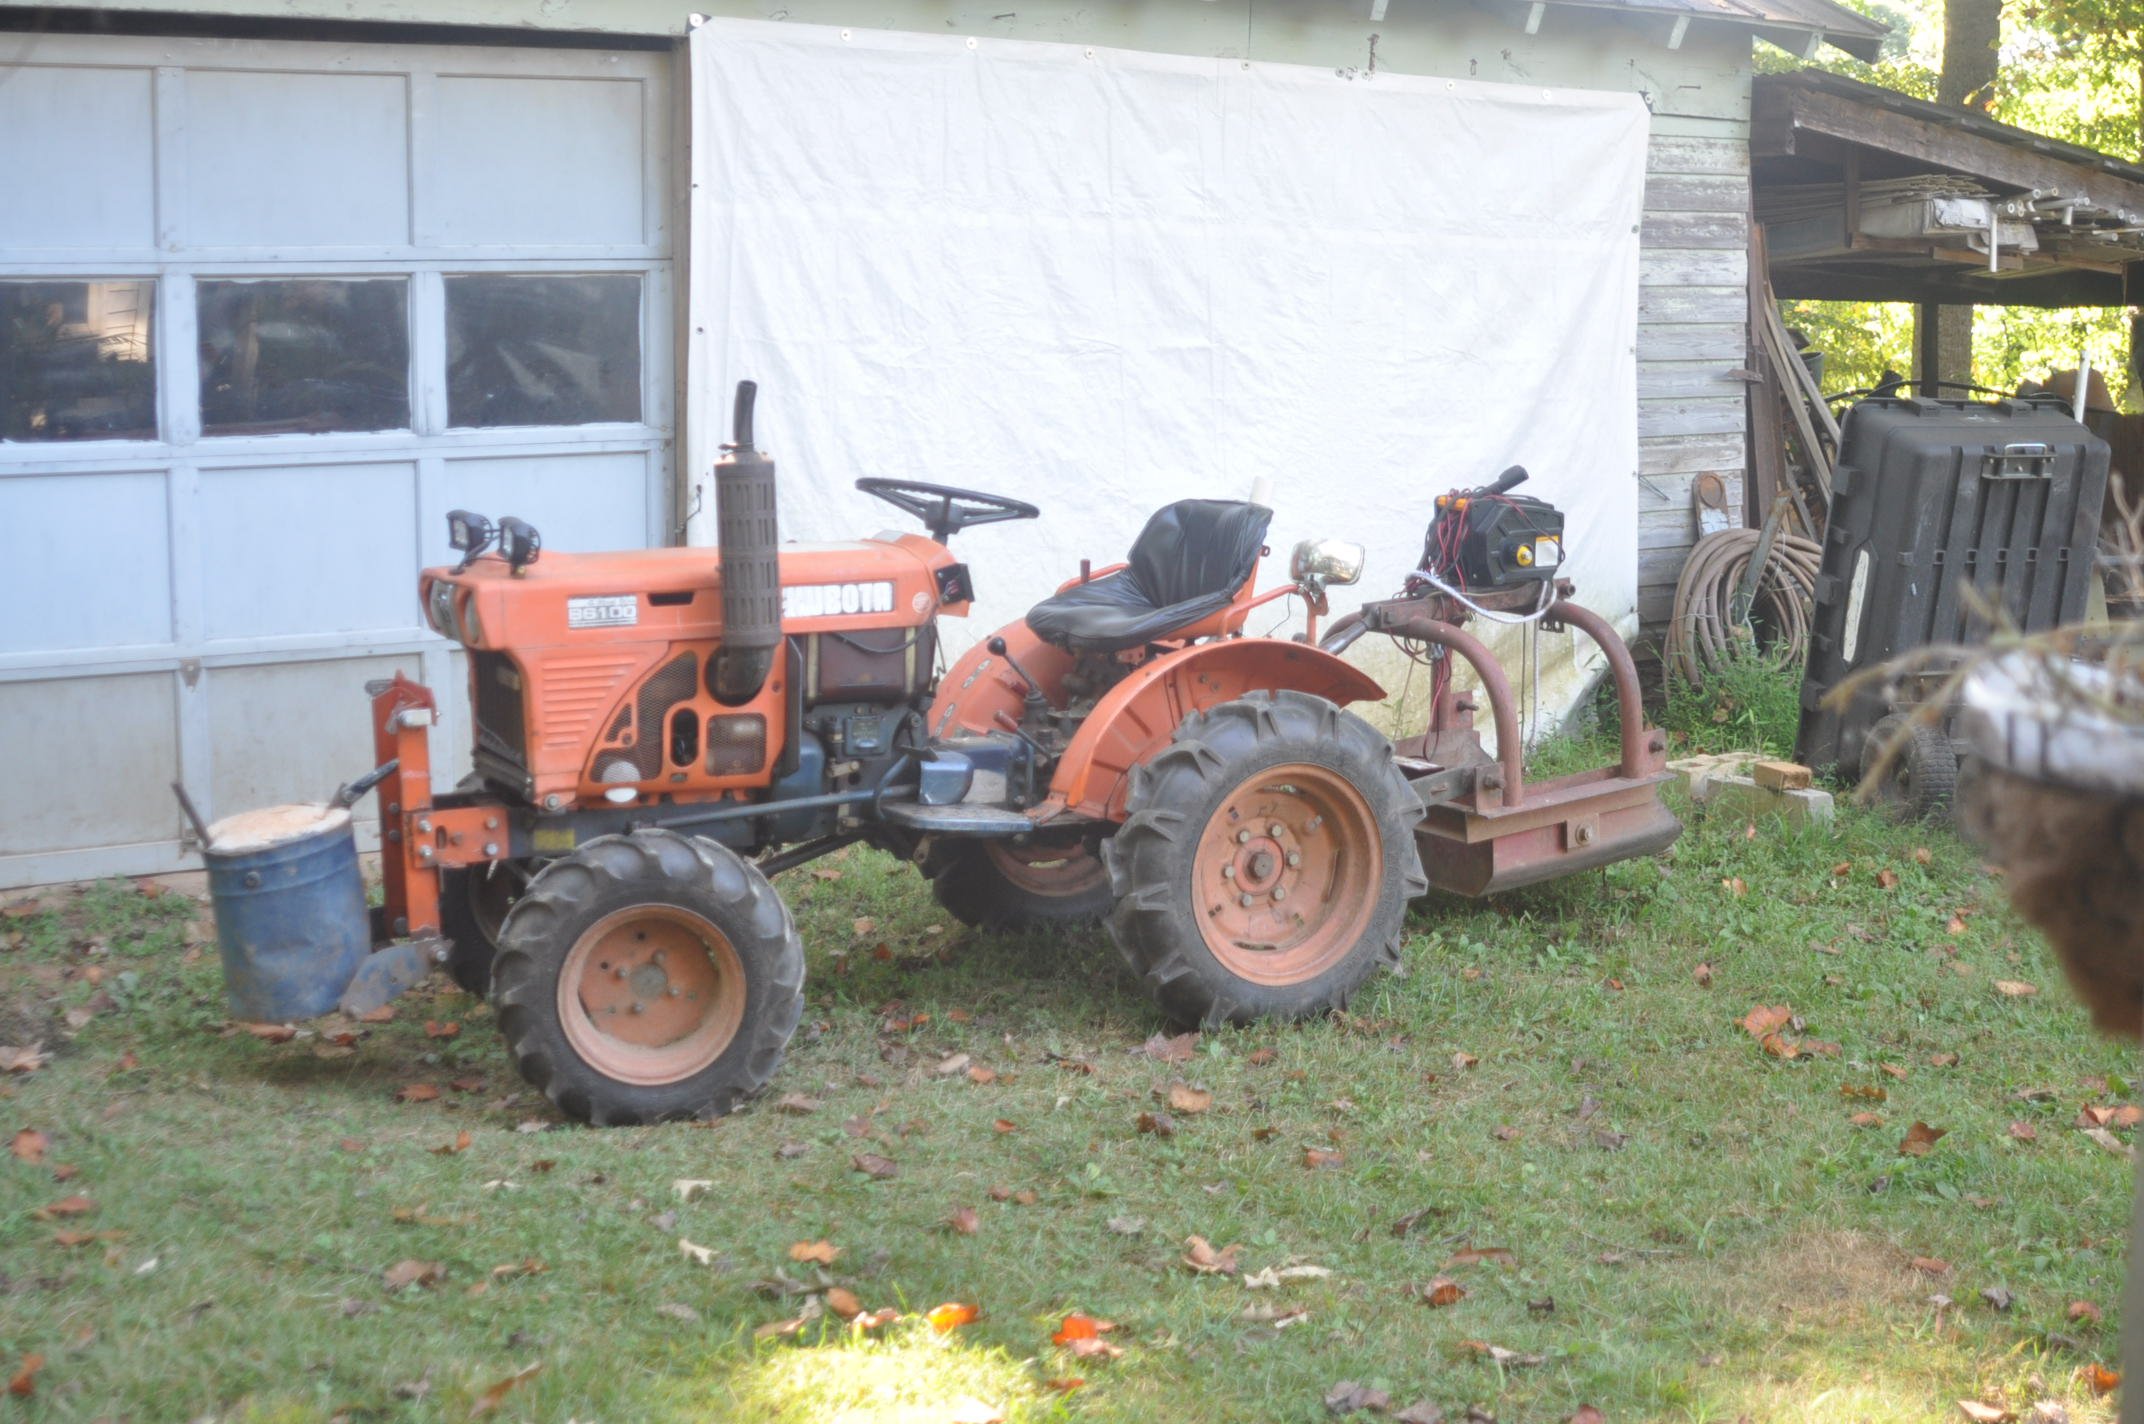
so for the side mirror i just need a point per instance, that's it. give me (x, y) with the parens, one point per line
(519, 542)
(468, 535)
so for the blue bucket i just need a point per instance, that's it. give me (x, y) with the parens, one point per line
(290, 910)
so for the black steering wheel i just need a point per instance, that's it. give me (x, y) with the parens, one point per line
(946, 511)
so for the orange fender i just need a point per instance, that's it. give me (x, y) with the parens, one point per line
(1136, 718)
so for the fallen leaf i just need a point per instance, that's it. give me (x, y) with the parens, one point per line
(1272, 1277)
(863, 925)
(30, 1145)
(1463, 1061)
(1347, 1397)
(1919, 1139)
(963, 1221)
(1704, 976)
(460, 1143)
(1506, 1134)
(2101, 1379)
(528, 1266)
(1475, 1255)
(969, 1410)
(1735, 886)
(951, 1316)
(1843, 869)
(1942, 1060)
(1441, 1292)
(1078, 1327)
(1317, 1158)
(1887, 878)
(416, 1093)
(1766, 1019)
(1025, 1197)
(980, 1074)
(67, 1206)
(1186, 1099)
(1860, 1090)
(1260, 1057)
(271, 1033)
(703, 1255)
(1981, 1413)
(24, 1383)
(1065, 1384)
(1587, 1414)
(953, 1065)
(822, 1252)
(2109, 1141)
(1930, 1265)
(1201, 1257)
(1160, 1124)
(1866, 1119)
(689, 1187)
(1419, 1412)
(2015, 988)
(433, 1028)
(1127, 1225)
(495, 1396)
(1499, 1354)
(797, 1104)
(1895, 1070)
(786, 1151)
(1998, 1297)
(2024, 1131)
(404, 1274)
(1163, 1048)
(872, 1165)
(843, 1303)
(2084, 1310)
(1004, 1124)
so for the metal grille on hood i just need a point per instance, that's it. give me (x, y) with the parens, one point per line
(677, 681)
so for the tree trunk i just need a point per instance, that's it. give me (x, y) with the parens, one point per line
(1972, 33)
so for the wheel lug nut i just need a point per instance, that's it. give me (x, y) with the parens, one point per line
(1295, 857)
(1243, 837)
(638, 1007)
(1228, 872)
(619, 971)
(1246, 901)
(675, 991)
(657, 957)
(1280, 892)
(1277, 829)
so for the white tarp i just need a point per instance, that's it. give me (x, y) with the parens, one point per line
(1102, 280)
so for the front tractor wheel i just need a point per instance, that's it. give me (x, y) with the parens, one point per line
(473, 905)
(648, 976)
(997, 884)
(1266, 862)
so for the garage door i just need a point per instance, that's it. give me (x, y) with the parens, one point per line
(267, 312)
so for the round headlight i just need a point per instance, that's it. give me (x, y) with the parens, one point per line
(1326, 561)
(472, 626)
(439, 610)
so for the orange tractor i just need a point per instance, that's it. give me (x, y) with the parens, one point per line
(658, 733)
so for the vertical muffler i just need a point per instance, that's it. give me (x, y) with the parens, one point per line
(749, 539)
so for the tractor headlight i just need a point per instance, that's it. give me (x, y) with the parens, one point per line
(439, 610)
(472, 625)
(1321, 562)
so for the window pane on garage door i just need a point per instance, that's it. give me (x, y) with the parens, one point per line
(76, 361)
(306, 355)
(542, 350)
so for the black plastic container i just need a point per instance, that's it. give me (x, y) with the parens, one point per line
(1931, 498)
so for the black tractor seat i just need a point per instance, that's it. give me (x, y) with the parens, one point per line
(1185, 566)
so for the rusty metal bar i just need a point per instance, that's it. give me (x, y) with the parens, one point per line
(1425, 629)
(1629, 705)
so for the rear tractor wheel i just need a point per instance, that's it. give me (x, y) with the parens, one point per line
(648, 976)
(1266, 862)
(997, 884)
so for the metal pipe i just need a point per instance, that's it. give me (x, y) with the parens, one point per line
(1630, 707)
(1424, 629)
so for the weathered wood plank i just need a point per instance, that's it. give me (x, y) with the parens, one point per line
(1691, 417)
(1682, 305)
(1687, 454)
(1724, 155)
(1686, 380)
(1693, 341)
(1693, 267)
(1660, 230)
(1655, 606)
(1696, 193)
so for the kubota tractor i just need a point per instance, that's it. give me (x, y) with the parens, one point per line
(659, 732)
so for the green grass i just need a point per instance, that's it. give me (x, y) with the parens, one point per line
(1717, 1238)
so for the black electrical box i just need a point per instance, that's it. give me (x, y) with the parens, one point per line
(1944, 513)
(1489, 538)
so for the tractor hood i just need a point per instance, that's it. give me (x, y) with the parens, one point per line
(676, 594)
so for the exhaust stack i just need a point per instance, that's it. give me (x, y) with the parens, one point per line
(749, 540)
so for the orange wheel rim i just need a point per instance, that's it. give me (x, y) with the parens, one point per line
(1286, 874)
(1039, 869)
(651, 994)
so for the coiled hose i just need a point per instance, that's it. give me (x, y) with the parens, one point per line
(1703, 633)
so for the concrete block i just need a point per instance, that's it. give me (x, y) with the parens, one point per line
(1695, 769)
(1742, 796)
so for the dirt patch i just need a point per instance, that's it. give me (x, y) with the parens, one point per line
(1834, 1274)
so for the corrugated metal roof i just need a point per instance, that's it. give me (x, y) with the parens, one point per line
(1836, 25)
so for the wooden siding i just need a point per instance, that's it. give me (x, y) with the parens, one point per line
(1692, 339)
